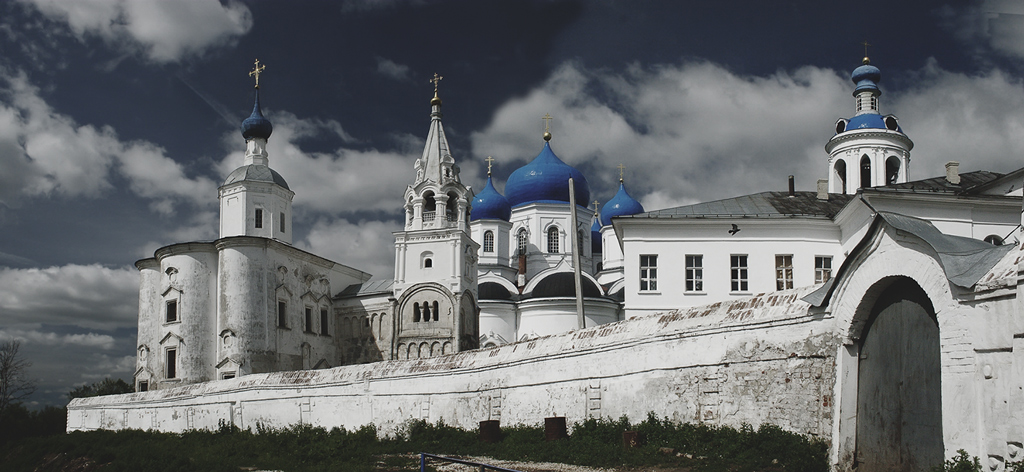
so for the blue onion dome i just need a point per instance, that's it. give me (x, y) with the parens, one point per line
(546, 180)
(256, 126)
(866, 77)
(595, 236)
(621, 204)
(490, 205)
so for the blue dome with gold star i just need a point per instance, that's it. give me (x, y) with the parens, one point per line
(256, 125)
(546, 180)
(490, 205)
(621, 204)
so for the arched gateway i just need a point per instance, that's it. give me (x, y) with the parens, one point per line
(899, 409)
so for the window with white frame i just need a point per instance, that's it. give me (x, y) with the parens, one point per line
(171, 314)
(171, 364)
(553, 240)
(738, 272)
(694, 273)
(822, 269)
(259, 218)
(783, 271)
(521, 241)
(488, 241)
(648, 272)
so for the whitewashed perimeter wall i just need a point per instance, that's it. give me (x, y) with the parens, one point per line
(758, 360)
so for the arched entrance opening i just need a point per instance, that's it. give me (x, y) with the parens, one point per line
(899, 408)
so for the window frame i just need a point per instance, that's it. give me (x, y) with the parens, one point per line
(169, 311)
(739, 273)
(325, 322)
(553, 237)
(522, 241)
(282, 220)
(822, 274)
(694, 264)
(488, 245)
(171, 362)
(648, 273)
(783, 273)
(282, 314)
(308, 327)
(258, 218)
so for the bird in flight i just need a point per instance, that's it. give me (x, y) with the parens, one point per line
(735, 229)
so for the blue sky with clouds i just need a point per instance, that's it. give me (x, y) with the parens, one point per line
(119, 119)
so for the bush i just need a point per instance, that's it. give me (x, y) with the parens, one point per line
(961, 462)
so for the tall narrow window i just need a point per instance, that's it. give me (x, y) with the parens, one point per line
(783, 272)
(435, 310)
(259, 217)
(521, 242)
(416, 312)
(324, 322)
(309, 320)
(281, 220)
(553, 240)
(172, 311)
(648, 272)
(426, 311)
(822, 269)
(282, 314)
(865, 172)
(488, 241)
(695, 273)
(840, 170)
(738, 270)
(172, 363)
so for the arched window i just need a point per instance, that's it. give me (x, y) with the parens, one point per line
(865, 172)
(435, 310)
(840, 170)
(994, 240)
(488, 241)
(429, 206)
(521, 241)
(428, 263)
(892, 170)
(553, 240)
(426, 260)
(426, 311)
(452, 206)
(416, 311)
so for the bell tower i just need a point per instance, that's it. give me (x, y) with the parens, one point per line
(869, 149)
(435, 255)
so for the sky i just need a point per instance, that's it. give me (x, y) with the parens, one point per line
(120, 118)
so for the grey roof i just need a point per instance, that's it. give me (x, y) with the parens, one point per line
(370, 287)
(763, 205)
(256, 172)
(964, 260)
(969, 182)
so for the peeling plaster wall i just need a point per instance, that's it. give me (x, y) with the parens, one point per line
(764, 359)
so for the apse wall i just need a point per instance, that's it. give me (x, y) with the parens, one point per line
(764, 359)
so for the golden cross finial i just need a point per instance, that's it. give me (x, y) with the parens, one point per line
(622, 171)
(596, 203)
(489, 161)
(866, 60)
(547, 122)
(257, 70)
(437, 78)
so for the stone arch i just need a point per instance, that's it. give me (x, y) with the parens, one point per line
(892, 170)
(865, 172)
(839, 170)
(424, 350)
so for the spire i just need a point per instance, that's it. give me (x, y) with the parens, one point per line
(256, 129)
(436, 164)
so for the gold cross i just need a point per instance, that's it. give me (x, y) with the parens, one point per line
(622, 170)
(489, 161)
(865, 43)
(256, 72)
(437, 78)
(547, 122)
(596, 203)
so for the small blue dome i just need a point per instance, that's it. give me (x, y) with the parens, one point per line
(546, 180)
(872, 121)
(621, 204)
(866, 77)
(256, 126)
(595, 236)
(490, 205)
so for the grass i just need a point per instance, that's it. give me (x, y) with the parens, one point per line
(594, 442)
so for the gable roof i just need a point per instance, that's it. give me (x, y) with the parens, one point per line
(370, 287)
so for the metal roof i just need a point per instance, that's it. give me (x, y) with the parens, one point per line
(370, 287)
(969, 181)
(763, 205)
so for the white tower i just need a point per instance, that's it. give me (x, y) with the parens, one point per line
(868, 150)
(255, 200)
(435, 256)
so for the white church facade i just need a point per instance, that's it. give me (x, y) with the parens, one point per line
(808, 310)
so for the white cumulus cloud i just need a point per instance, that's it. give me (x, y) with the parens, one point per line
(88, 296)
(367, 245)
(164, 31)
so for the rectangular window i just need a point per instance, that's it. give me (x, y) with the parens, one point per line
(259, 217)
(488, 241)
(282, 314)
(309, 320)
(694, 273)
(323, 322)
(227, 375)
(783, 272)
(143, 385)
(172, 311)
(172, 363)
(648, 272)
(738, 270)
(822, 269)
(281, 219)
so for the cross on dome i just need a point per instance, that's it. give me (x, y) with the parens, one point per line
(547, 126)
(257, 70)
(866, 59)
(622, 171)
(489, 161)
